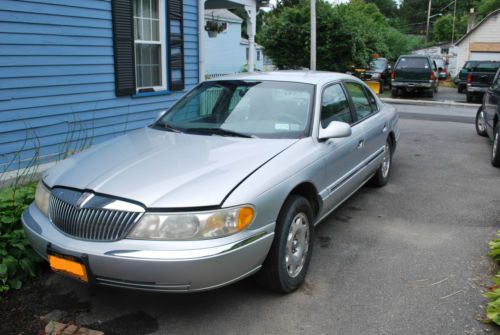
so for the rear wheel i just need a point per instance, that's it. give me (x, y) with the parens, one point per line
(460, 89)
(286, 265)
(495, 152)
(481, 123)
(470, 97)
(394, 92)
(430, 93)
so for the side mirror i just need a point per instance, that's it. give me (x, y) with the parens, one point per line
(335, 129)
(160, 114)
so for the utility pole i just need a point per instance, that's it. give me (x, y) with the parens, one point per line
(428, 21)
(313, 35)
(454, 18)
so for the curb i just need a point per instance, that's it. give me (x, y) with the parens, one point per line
(428, 102)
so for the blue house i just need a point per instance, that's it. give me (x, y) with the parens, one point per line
(227, 45)
(74, 73)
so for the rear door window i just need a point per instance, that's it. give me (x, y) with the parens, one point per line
(412, 63)
(362, 106)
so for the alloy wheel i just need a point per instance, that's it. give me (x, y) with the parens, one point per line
(297, 245)
(386, 163)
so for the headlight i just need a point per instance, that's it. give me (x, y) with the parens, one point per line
(192, 226)
(42, 196)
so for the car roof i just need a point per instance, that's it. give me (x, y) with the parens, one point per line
(308, 77)
(414, 56)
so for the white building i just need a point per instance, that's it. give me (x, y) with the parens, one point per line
(482, 42)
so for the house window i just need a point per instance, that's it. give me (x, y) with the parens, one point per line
(247, 52)
(149, 44)
(258, 55)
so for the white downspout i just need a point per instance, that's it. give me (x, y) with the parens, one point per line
(201, 40)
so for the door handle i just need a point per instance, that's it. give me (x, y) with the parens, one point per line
(361, 144)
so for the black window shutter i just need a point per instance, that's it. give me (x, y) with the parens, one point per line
(175, 45)
(123, 45)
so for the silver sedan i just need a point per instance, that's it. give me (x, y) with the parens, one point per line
(227, 183)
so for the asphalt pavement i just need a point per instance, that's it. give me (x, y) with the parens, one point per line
(408, 258)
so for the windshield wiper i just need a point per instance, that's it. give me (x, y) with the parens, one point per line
(168, 127)
(218, 131)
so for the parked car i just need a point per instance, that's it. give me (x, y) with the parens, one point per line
(479, 79)
(378, 71)
(442, 72)
(414, 73)
(230, 181)
(461, 78)
(487, 117)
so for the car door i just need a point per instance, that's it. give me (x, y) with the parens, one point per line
(373, 123)
(342, 156)
(492, 103)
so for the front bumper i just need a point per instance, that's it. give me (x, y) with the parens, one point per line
(167, 266)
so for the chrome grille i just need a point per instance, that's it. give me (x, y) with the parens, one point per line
(94, 224)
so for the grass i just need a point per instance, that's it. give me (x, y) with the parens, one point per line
(493, 294)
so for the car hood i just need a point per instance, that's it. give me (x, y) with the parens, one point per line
(164, 169)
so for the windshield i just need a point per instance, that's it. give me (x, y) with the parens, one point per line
(378, 64)
(267, 109)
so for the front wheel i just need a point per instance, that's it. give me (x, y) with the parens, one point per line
(495, 152)
(381, 177)
(481, 123)
(286, 265)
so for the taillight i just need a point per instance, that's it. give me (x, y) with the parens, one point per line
(469, 78)
(433, 75)
(393, 75)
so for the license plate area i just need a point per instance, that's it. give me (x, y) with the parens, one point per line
(68, 265)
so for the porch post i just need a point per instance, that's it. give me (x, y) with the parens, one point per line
(201, 40)
(251, 23)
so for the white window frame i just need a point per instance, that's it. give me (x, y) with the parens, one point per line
(163, 45)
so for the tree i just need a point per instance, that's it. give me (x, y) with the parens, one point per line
(387, 7)
(487, 6)
(347, 34)
(443, 27)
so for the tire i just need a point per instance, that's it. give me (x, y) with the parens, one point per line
(382, 88)
(460, 89)
(394, 92)
(470, 97)
(430, 93)
(278, 274)
(481, 123)
(495, 151)
(381, 177)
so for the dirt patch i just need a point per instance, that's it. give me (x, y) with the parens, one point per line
(20, 310)
(138, 323)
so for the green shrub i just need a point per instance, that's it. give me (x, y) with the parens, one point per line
(18, 261)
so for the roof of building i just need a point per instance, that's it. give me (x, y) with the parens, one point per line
(222, 15)
(486, 18)
(305, 76)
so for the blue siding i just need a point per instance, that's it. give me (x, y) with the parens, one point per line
(57, 79)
